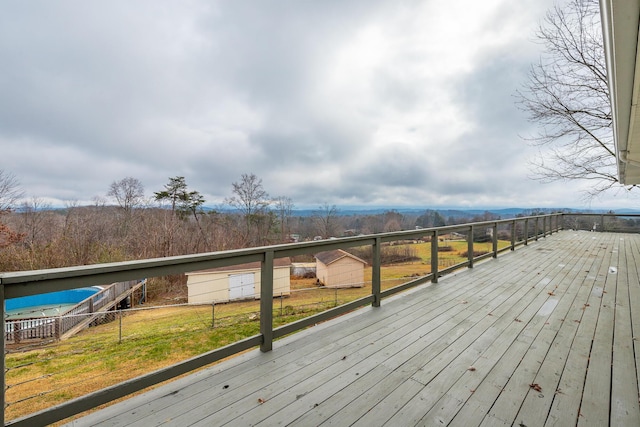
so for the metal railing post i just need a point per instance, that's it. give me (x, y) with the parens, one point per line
(470, 250)
(266, 302)
(434, 256)
(375, 273)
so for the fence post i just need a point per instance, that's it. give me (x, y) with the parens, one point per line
(213, 314)
(375, 273)
(526, 231)
(537, 228)
(513, 235)
(601, 222)
(434, 256)
(266, 302)
(119, 326)
(56, 332)
(470, 253)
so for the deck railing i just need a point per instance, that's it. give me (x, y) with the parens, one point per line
(521, 231)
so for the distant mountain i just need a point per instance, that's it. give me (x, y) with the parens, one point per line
(445, 212)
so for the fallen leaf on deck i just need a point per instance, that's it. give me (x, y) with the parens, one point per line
(535, 386)
(344, 357)
(463, 302)
(261, 401)
(471, 368)
(551, 293)
(517, 320)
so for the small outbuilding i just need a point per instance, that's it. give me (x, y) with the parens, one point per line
(236, 282)
(340, 269)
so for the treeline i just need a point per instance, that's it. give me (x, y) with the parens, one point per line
(126, 225)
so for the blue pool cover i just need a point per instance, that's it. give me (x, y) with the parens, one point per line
(71, 296)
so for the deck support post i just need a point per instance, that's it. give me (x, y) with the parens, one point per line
(266, 302)
(375, 273)
(470, 254)
(494, 240)
(434, 256)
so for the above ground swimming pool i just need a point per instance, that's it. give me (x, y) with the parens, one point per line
(47, 305)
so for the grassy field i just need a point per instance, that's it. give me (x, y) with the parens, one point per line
(140, 341)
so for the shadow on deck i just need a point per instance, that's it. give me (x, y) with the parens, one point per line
(544, 336)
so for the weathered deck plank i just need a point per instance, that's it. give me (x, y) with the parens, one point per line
(594, 410)
(494, 377)
(624, 387)
(462, 352)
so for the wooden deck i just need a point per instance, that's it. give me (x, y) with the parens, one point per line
(542, 336)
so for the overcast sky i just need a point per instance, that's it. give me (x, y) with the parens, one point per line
(348, 102)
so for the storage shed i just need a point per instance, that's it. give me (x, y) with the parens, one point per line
(236, 282)
(340, 269)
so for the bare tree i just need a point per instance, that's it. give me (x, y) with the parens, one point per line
(326, 220)
(10, 191)
(251, 199)
(128, 192)
(36, 221)
(568, 96)
(284, 209)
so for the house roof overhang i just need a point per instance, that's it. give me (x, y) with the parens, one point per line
(620, 23)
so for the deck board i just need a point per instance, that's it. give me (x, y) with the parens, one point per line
(562, 312)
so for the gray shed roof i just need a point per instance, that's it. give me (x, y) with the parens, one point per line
(329, 257)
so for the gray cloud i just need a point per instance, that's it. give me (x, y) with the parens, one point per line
(347, 102)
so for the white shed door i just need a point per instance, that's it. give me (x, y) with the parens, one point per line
(241, 286)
